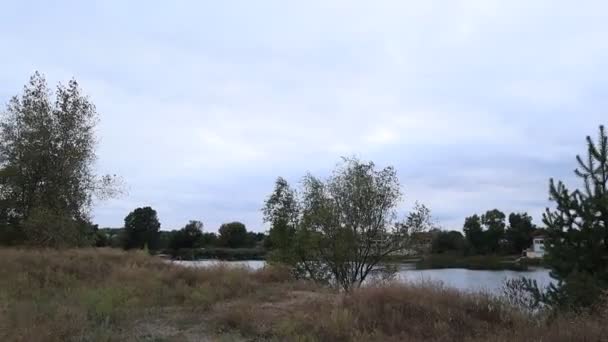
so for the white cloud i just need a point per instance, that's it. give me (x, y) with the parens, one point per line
(203, 104)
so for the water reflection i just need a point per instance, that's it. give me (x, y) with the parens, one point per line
(459, 278)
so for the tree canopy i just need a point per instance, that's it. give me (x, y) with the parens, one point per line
(233, 235)
(343, 226)
(520, 231)
(190, 236)
(47, 153)
(577, 244)
(142, 229)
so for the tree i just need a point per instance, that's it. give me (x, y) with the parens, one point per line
(209, 240)
(420, 222)
(233, 235)
(344, 226)
(281, 211)
(142, 229)
(474, 234)
(188, 237)
(47, 154)
(448, 241)
(494, 222)
(520, 231)
(46, 228)
(254, 239)
(577, 245)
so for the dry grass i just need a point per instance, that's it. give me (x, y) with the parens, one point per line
(110, 295)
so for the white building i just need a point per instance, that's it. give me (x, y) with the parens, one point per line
(538, 248)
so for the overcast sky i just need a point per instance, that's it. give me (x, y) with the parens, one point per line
(204, 103)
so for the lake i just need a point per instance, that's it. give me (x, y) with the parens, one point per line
(459, 278)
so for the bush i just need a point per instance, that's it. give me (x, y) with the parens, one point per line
(47, 228)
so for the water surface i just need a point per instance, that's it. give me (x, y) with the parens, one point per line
(459, 278)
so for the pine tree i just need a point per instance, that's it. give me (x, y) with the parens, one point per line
(577, 247)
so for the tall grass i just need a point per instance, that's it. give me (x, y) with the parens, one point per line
(110, 295)
(103, 294)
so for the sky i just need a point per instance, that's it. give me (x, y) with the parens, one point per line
(202, 104)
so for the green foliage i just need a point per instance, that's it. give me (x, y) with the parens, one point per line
(474, 233)
(520, 231)
(233, 235)
(209, 240)
(448, 241)
(110, 237)
(106, 305)
(489, 234)
(234, 243)
(142, 229)
(10, 234)
(494, 223)
(343, 227)
(47, 154)
(577, 244)
(188, 237)
(47, 228)
(281, 212)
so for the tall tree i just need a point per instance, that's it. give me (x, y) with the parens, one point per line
(346, 225)
(520, 231)
(447, 241)
(188, 237)
(494, 222)
(474, 234)
(281, 212)
(142, 229)
(577, 247)
(233, 235)
(47, 152)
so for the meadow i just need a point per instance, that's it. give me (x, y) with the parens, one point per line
(112, 295)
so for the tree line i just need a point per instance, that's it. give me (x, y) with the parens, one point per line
(335, 230)
(142, 231)
(489, 233)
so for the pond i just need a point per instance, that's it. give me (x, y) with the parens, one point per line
(459, 278)
(471, 280)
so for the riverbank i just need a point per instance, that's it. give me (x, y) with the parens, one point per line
(473, 262)
(218, 253)
(110, 295)
(432, 261)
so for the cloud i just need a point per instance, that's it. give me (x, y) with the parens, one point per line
(476, 103)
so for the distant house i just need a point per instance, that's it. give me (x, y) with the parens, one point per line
(537, 250)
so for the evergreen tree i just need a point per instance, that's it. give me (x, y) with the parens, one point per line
(577, 248)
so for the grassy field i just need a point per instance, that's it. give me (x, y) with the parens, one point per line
(110, 295)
